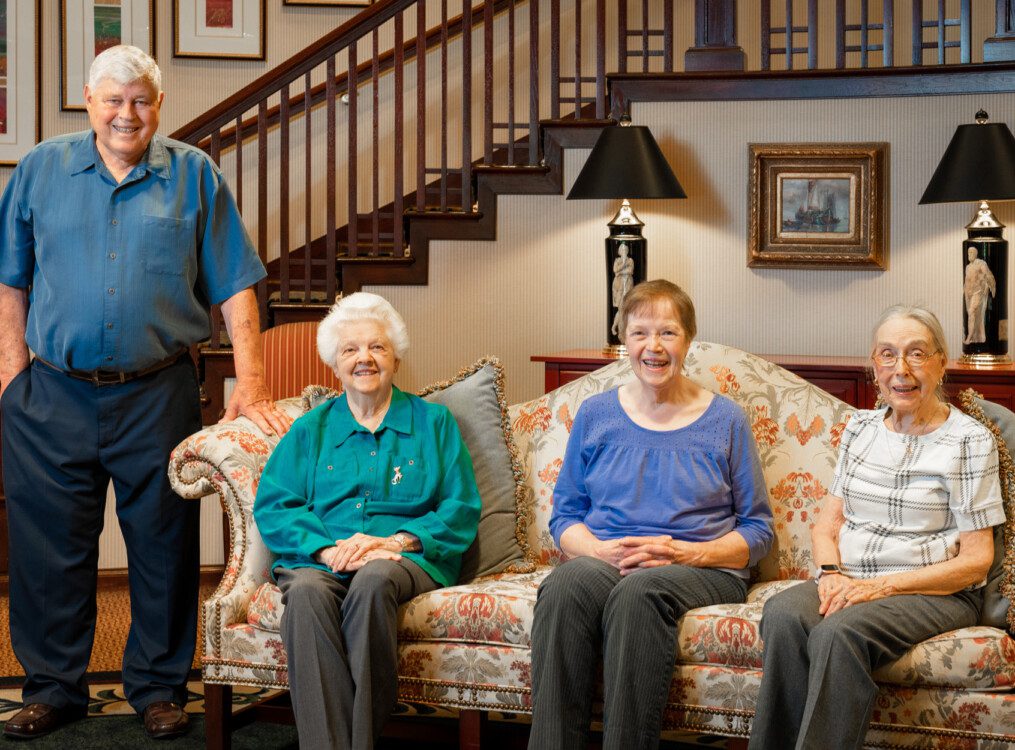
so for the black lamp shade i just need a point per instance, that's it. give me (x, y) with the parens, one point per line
(626, 162)
(978, 165)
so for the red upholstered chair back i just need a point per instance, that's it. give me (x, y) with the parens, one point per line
(291, 361)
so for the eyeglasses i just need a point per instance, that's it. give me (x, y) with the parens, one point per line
(915, 360)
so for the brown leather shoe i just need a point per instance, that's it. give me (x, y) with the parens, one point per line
(37, 719)
(164, 719)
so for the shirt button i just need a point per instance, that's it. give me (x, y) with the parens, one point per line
(109, 358)
(109, 325)
(112, 290)
(371, 468)
(411, 462)
(112, 256)
(115, 222)
(373, 453)
(359, 505)
(329, 467)
(368, 493)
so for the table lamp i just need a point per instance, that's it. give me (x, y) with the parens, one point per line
(979, 165)
(625, 163)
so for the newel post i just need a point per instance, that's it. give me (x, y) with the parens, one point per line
(1001, 46)
(715, 37)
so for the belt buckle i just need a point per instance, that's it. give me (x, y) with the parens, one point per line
(99, 378)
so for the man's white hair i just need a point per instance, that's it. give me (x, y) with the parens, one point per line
(124, 64)
(357, 307)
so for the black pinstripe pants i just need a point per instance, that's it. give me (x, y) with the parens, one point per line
(586, 610)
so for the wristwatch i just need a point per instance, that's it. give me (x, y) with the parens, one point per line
(828, 569)
(404, 540)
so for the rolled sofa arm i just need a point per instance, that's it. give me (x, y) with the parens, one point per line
(227, 459)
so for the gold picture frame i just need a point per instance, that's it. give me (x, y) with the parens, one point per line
(818, 205)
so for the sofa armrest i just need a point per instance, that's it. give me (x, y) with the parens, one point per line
(227, 459)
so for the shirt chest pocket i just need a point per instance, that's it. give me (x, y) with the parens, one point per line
(404, 484)
(168, 244)
(334, 481)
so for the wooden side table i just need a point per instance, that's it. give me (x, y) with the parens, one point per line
(846, 378)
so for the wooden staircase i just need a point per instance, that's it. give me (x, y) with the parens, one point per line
(359, 153)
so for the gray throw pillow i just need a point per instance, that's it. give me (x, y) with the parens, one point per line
(476, 399)
(995, 606)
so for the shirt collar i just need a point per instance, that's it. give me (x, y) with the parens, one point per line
(343, 424)
(85, 155)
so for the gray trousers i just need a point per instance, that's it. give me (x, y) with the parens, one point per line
(340, 639)
(817, 691)
(585, 608)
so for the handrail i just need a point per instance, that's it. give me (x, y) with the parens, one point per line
(292, 69)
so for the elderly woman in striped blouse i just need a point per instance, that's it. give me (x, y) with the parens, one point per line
(902, 547)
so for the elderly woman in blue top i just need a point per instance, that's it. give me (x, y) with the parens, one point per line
(369, 500)
(661, 507)
(902, 546)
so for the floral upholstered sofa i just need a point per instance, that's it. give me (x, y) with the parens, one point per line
(467, 647)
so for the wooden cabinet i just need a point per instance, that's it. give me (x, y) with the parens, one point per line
(846, 378)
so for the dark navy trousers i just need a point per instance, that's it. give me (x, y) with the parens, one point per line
(63, 441)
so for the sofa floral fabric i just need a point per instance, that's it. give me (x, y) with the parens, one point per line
(467, 647)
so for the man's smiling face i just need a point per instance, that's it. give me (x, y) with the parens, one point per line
(124, 118)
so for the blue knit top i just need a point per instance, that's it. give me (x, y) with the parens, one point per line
(695, 483)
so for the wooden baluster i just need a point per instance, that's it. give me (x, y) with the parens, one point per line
(467, 104)
(307, 189)
(397, 238)
(840, 34)
(511, 83)
(420, 107)
(331, 167)
(965, 33)
(888, 33)
(239, 164)
(444, 105)
(600, 59)
(645, 36)
(533, 83)
(941, 32)
(262, 205)
(812, 33)
(283, 194)
(789, 34)
(555, 81)
(766, 34)
(375, 239)
(917, 30)
(1001, 46)
(488, 82)
(577, 55)
(622, 36)
(668, 37)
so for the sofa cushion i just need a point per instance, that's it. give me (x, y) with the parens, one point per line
(496, 610)
(475, 396)
(729, 635)
(1001, 422)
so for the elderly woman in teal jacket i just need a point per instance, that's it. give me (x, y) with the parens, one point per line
(369, 500)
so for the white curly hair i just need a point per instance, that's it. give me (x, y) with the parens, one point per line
(356, 307)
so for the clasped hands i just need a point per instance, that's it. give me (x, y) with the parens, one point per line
(837, 591)
(349, 555)
(630, 553)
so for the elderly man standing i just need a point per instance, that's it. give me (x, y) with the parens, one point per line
(115, 242)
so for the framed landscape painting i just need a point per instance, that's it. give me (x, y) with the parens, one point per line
(219, 28)
(818, 205)
(87, 27)
(20, 41)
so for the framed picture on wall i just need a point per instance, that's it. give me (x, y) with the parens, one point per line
(87, 27)
(231, 29)
(336, 3)
(20, 122)
(818, 205)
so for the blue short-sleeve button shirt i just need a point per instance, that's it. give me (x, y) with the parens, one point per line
(121, 275)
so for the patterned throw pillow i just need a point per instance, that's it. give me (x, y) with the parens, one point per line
(475, 397)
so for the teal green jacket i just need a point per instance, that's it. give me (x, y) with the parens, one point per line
(330, 477)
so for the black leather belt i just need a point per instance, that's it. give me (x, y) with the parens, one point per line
(114, 377)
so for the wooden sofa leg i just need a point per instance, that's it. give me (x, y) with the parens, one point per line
(470, 728)
(218, 705)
